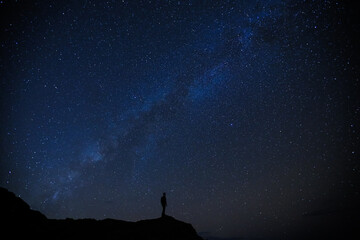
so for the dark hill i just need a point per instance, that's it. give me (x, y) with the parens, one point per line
(22, 222)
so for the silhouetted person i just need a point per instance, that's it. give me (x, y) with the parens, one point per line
(163, 204)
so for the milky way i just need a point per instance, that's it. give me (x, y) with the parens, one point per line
(243, 112)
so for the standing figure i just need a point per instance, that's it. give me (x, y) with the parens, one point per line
(163, 204)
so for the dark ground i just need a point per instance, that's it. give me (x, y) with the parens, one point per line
(22, 222)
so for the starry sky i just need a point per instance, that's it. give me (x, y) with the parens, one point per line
(244, 112)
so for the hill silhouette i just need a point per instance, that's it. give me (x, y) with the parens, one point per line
(19, 221)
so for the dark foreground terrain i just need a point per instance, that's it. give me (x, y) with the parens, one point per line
(19, 222)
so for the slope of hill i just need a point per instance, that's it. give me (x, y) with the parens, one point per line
(22, 222)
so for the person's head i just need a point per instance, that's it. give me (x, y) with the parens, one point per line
(164, 194)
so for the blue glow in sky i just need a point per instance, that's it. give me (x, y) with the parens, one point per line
(244, 112)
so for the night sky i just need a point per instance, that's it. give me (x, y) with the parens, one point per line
(244, 112)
